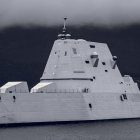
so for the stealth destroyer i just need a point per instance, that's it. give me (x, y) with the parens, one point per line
(81, 81)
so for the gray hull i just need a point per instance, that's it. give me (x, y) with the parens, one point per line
(55, 107)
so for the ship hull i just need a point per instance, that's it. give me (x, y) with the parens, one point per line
(59, 107)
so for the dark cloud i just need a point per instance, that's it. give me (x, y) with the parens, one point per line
(51, 12)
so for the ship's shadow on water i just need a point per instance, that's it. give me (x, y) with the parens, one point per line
(123, 129)
(34, 124)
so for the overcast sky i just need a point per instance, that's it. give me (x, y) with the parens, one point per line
(79, 12)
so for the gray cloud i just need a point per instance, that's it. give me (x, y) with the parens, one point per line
(51, 12)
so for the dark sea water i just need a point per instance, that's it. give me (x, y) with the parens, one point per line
(96, 130)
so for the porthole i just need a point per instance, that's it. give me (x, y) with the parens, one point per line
(103, 63)
(92, 46)
(86, 61)
(90, 105)
(121, 82)
(65, 53)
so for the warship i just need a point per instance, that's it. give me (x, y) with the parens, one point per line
(81, 82)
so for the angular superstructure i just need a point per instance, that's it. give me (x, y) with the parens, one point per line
(81, 81)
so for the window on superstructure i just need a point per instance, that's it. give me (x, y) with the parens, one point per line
(103, 63)
(79, 71)
(74, 50)
(86, 61)
(94, 77)
(90, 105)
(92, 46)
(65, 53)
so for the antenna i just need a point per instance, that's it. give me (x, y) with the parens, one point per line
(64, 27)
(64, 34)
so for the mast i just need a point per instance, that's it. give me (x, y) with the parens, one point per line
(64, 34)
(64, 27)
